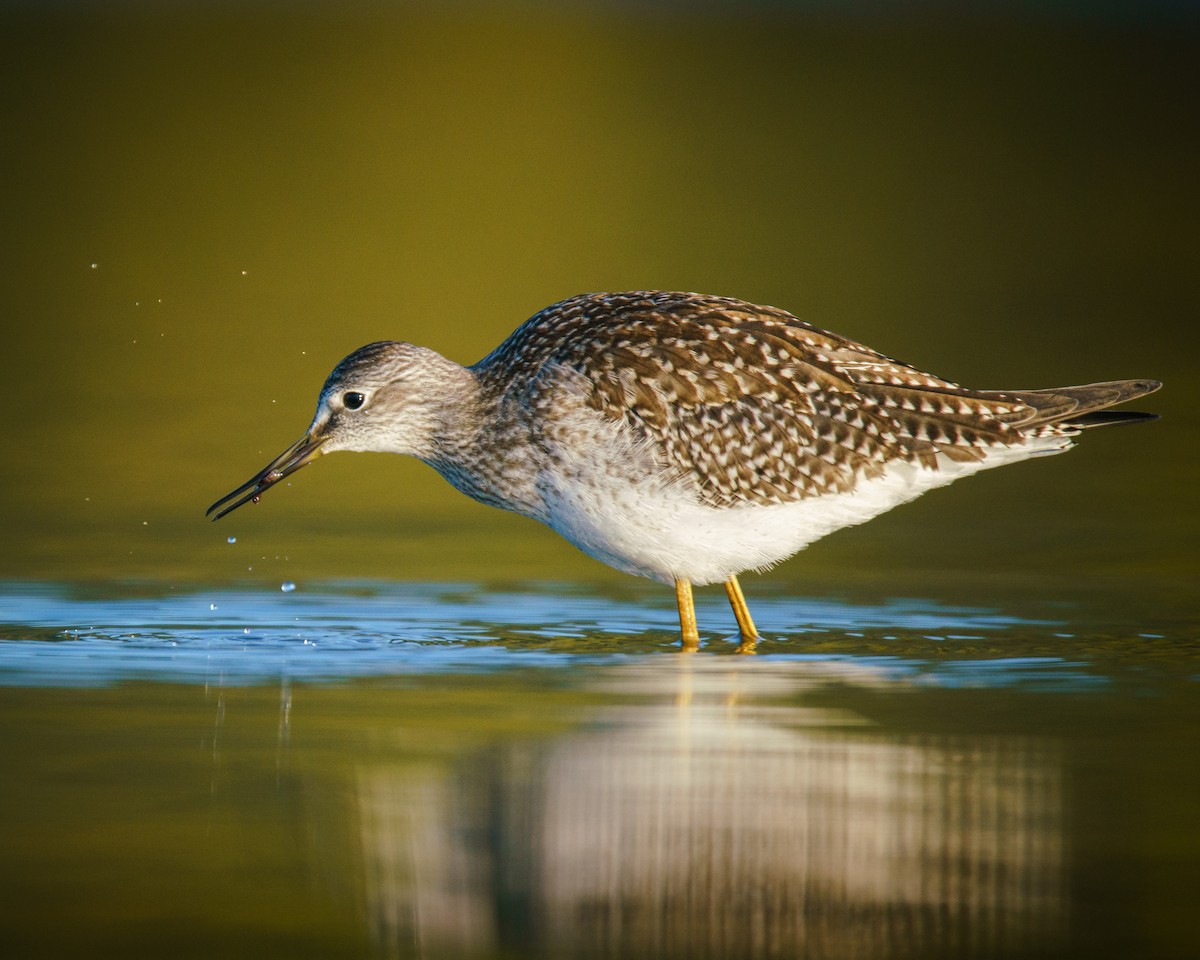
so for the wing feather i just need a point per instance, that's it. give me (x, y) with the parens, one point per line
(756, 406)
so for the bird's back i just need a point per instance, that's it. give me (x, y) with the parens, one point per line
(752, 405)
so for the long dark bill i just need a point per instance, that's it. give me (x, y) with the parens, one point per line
(302, 452)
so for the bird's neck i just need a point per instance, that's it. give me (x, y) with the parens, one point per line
(483, 451)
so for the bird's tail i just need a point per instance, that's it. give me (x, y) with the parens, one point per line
(1079, 407)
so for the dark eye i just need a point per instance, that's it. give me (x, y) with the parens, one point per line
(353, 400)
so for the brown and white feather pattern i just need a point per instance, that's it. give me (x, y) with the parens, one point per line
(749, 403)
(683, 437)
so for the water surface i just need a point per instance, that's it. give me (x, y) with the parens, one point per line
(367, 769)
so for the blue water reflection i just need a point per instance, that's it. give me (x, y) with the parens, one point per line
(51, 634)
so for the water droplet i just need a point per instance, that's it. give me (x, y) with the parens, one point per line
(287, 586)
(95, 265)
(245, 629)
(231, 539)
(212, 606)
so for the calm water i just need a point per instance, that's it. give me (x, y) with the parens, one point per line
(443, 770)
(973, 727)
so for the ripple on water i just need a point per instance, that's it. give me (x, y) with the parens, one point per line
(53, 634)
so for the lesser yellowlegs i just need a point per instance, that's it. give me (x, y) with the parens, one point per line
(682, 437)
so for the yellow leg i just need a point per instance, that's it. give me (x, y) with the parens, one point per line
(687, 615)
(745, 622)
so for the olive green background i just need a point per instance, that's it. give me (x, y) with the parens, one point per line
(207, 205)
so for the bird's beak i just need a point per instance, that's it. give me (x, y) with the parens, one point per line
(302, 452)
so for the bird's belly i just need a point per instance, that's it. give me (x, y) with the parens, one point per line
(665, 533)
(620, 505)
(662, 531)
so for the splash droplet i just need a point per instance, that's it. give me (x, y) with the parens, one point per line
(231, 539)
(287, 586)
(212, 606)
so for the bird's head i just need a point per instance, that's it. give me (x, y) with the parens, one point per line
(392, 397)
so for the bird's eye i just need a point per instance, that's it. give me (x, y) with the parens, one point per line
(353, 400)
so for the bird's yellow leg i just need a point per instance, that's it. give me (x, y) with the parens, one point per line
(745, 622)
(687, 616)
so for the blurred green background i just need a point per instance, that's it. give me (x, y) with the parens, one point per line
(207, 205)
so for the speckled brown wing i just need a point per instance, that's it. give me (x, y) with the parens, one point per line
(753, 404)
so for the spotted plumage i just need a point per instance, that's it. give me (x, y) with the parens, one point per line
(753, 405)
(684, 437)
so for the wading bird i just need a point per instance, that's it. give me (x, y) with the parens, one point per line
(682, 437)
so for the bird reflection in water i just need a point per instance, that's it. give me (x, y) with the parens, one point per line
(724, 821)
